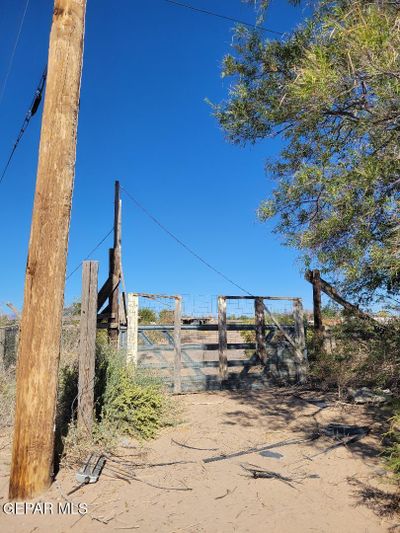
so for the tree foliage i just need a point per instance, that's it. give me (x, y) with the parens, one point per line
(331, 90)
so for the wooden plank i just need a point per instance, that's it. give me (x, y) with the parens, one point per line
(177, 343)
(290, 298)
(222, 338)
(260, 329)
(313, 276)
(132, 332)
(87, 346)
(104, 293)
(39, 346)
(155, 296)
(124, 312)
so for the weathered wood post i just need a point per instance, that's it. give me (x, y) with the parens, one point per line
(177, 343)
(132, 329)
(87, 346)
(260, 328)
(222, 338)
(39, 345)
(317, 304)
(300, 337)
(115, 271)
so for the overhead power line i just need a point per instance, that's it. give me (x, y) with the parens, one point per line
(90, 253)
(10, 63)
(181, 243)
(231, 19)
(32, 110)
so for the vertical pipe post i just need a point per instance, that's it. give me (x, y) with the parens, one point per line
(132, 330)
(260, 328)
(87, 346)
(222, 338)
(177, 343)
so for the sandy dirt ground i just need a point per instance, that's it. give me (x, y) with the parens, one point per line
(342, 490)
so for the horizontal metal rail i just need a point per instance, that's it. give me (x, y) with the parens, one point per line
(187, 347)
(209, 327)
(202, 364)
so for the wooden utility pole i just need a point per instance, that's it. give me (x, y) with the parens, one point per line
(87, 345)
(115, 271)
(39, 346)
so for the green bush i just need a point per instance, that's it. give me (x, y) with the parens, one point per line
(135, 404)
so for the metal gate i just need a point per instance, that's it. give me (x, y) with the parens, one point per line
(232, 353)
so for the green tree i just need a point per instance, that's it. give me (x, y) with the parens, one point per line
(147, 316)
(331, 90)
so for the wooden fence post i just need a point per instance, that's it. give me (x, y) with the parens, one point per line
(318, 324)
(298, 315)
(115, 271)
(177, 342)
(222, 338)
(87, 346)
(132, 329)
(260, 328)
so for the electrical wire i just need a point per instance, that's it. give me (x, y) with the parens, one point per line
(10, 63)
(181, 243)
(31, 112)
(231, 19)
(221, 274)
(90, 253)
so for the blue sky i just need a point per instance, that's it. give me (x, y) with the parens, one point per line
(148, 67)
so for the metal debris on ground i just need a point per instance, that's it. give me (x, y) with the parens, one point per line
(340, 431)
(91, 469)
(343, 434)
(366, 395)
(272, 455)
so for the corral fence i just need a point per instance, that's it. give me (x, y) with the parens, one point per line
(224, 350)
(212, 343)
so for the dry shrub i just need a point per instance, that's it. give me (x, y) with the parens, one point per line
(7, 396)
(127, 403)
(362, 355)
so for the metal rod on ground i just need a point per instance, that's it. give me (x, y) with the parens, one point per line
(177, 342)
(222, 338)
(132, 331)
(39, 346)
(87, 345)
